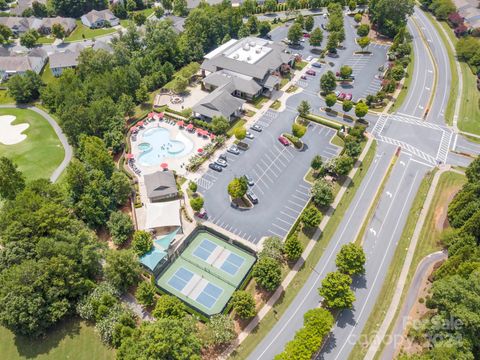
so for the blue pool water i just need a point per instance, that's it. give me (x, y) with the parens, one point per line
(157, 146)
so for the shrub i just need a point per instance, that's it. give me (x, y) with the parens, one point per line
(272, 248)
(142, 242)
(196, 203)
(192, 186)
(145, 293)
(240, 133)
(267, 273)
(298, 130)
(243, 304)
(311, 217)
(169, 306)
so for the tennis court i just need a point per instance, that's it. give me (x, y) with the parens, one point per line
(207, 273)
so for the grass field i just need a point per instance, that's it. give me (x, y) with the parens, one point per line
(70, 340)
(271, 318)
(47, 75)
(41, 152)
(82, 32)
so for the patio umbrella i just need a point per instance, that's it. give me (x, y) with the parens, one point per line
(200, 150)
(164, 166)
(133, 128)
(140, 123)
(212, 136)
(199, 131)
(160, 115)
(129, 156)
(151, 115)
(189, 126)
(180, 123)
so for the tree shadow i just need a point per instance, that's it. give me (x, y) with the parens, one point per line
(32, 348)
(359, 282)
(346, 317)
(328, 346)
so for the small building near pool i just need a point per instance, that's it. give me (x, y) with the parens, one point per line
(161, 185)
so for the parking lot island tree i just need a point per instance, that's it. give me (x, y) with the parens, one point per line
(345, 72)
(311, 217)
(316, 37)
(328, 82)
(363, 42)
(336, 291)
(322, 193)
(197, 203)
(303, 108)
(351, 259)
(267, 273)
(347, 105)
(295, 33)
(298, 130)
(330, 100)
(244, 304)
(358, 18)
(309, 23)
(332, 42)
(240, 133)
(361, 109)
(363, 30)
(237, 188)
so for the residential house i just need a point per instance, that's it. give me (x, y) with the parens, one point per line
(161, 185)
(245, 69)
(103, 46)
(99, 18)
(68, 24)
(11, 64)
(23, 5)
(470, 11)
(20, 25)
(63, 60)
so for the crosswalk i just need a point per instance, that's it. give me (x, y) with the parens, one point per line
(379, 125)
(267, 118)
(204, 183)
(414, 121)
(444, 146)
(411, 149)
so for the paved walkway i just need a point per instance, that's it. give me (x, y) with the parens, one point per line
(291, 275)
(397, 296)
(129, 300)
(63, 139)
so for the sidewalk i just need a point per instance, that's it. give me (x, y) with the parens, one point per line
(308, 249)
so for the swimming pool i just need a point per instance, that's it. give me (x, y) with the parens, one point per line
(157, 146)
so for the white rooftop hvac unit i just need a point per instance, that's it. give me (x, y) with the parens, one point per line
(246, 47)
(235, 56)
(258, 51)
(249, 58)
(252, 43)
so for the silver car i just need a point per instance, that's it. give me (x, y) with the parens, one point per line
(249, 135)
(221, 162)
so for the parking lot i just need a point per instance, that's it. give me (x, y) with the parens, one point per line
(277, 172)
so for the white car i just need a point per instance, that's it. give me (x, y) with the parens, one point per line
(309, 58)
(221, 162)
(249, 135)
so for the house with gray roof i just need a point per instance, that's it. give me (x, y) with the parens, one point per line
(68, 24)
(161, 185)
(241, 69)
(12, 64)
(20, 25)
(99, 18)
(23, 5)
(60, 61)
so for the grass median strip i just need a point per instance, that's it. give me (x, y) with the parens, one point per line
(281, 306)
(406, 85)
(388, 289)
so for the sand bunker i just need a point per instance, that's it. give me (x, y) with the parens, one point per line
(11, 134)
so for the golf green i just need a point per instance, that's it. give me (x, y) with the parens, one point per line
(41, 152)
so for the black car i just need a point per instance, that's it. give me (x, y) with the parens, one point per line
(256, 128)
(223, 156)
(249, 180)
(253, 198)
(215, 167)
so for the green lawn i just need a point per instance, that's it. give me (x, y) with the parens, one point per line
(47, 75)
(388, 288)
(259, 101)
(5, 98)
(45, 40)
(82, 32)
(235, 125)
(299, 65)
(41, 152)
(271, 318)
(72, 339)
(276, 105)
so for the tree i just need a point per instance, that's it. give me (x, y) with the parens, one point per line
(139, 18)
(322, 193)
(193, 186)
(363, 42)
(270, 5)
(122, 269)
(94, 154)
(352, 5)
(252, 24)
(363, 30)
(243, 304)
(142, 242)
(12, 180)
(272, 248)
(316, 162)
(298, 130)
(120, 188)
(240, 133)
(292, 4)
(5, 34)
(248, 7)
(473, 171)
(466, 48)
(159, 12)
(293, 248)
(361, 109)
(120, 227)
(347, 105)
(29, 38)
(345, 72)
(167, 5)
(220, 330)
(145, 294)
(267, 273)
(332, 42)
(25, 88)
(397, 72)
(328, 82)
(304, 108)
(264, 28)
(342, 164)
(309, 23)
(179, 84)
(351, 259)
(336, 291)
(220, 125)
(238, 187)
(330, 100)
(390, 16)
(244, 31)
(170, 307)
(300, 20)
(294, 33)
(358, 18)
(316, 37)
(162, 339)
(311, 217)
(180, 7)
(58, 31)
(197, 203)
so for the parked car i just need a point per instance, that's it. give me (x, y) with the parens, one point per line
(341, 96)
(233, 150)
(348, 97)
(252, 197)
(249, 135)
(337, 74)
(221, 162)
(202, 214)
(256, 127)
(243, 146)
(249, 180)
(234, 205)
(317, 65)
(337, 93)
(306, 35)
(311, 72)
(303, 77)
(309, 58)
(215, 167)
(302, 40)
(223, 156)
(283, 141)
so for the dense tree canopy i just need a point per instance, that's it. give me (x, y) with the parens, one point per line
(12, 180)
(336, 291)
(76, 8)
(390, 16)
(267, 273)
(351, 259)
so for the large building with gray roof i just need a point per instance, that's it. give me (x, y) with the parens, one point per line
(240, 70)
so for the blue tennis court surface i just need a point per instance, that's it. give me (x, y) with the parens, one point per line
(232, 264)
(204, 249)
(209, 295)
(180, 279)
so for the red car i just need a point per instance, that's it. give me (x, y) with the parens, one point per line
(283, 141)
(310, 72)
(303, 77)
(306, 35)
(341, 96)
(348, 97)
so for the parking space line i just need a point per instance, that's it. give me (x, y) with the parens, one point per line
(303, 193)
(286, 222)
(294, 210)
(294, 203)
(281, 228)
(249, 236)
(298, 197)
(304, 187)
(290, 216)
(274, 233)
